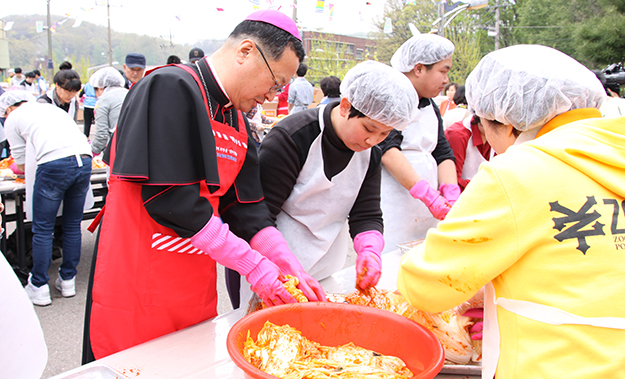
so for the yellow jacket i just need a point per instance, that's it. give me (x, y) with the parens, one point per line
(545, 222)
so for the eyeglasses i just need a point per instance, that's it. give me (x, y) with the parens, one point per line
(278, 86)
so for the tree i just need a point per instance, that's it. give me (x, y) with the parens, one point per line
(600, 39)
(421, 15)
(328, 57)
(467, 52)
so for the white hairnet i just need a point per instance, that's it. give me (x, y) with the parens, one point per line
(381, 93)
(13, 97)
(106, 77)
(527, 85)
(423, 48)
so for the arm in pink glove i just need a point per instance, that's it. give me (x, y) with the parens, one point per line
(451, 192)
(438, 206)
(368, 246)
(476, 329)
(271, 244)
(216, 240)
(15, 169)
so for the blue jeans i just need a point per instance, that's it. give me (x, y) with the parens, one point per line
(56, 181)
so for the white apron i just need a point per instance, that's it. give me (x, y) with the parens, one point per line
(30, 171)
(314, 216)
(473, 158)
(406, 218)
(533, 311)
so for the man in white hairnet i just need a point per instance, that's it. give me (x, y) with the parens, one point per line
(541, 225)
(418, 161)
(110, 91)
(320, 171)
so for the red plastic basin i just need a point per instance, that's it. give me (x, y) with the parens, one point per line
(333, 324)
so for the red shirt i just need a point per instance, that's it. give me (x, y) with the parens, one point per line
(458, 137)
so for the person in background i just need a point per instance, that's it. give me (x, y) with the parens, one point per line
(448, 103)
(331, 88)
(614, 105)
(418, 160)
(66, 66)
(195, 54)
(320, 170)
(173, 59)
(63, 94)
(460, 112)
(537, 225)
(301, 92)
(110, 92)
(30, 84)
(134, 68)
(18, 78)
(184, 170)
(257, 119)
(468, 141)
(283, 101)
(41, 82)
(10, 75)
(88, 97)
(47, 137)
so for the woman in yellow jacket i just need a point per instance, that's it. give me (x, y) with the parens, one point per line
(541, 226)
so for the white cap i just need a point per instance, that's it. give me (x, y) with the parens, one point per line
(527, 85)
(13, 97)
(106, 77)
(381, 93)
(423, 48)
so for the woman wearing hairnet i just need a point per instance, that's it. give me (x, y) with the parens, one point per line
(417, 160)
(320, 171)
(110, 91)
(541, 225)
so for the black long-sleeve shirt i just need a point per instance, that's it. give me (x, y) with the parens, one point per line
(283, 153)
(442, 151)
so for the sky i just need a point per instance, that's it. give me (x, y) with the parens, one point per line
(187, 21)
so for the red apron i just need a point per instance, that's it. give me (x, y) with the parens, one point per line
(149, 281)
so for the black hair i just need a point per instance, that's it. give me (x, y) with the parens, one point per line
(18, 70)
(30, 74)
(68, 79)
(273, 40)
(331, 86)
(353, 112)
(37, 72)
(65, 66)
(302, 69)
(173, 59)
(497, 124)
(459, 96)
(448, 85)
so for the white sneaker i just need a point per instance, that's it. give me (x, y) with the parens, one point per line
(67, 287)
(38, 295)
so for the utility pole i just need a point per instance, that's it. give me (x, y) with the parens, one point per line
(295, 11)
(441, 16)
(108, 15)
(497, 21)
(50, 67)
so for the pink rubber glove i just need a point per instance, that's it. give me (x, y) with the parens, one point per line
(451, 192)
(368, 246)
(15, 170)
(437, 204)
(476, 329)
(216, 240)
(271, 244)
